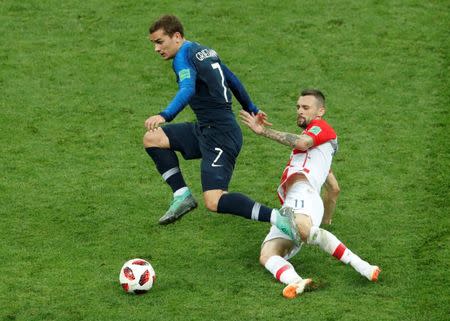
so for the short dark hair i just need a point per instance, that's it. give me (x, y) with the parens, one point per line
(169, 24)
(316, 93)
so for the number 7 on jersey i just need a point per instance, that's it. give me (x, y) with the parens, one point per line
(216, 65)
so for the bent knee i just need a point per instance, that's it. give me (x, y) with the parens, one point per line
(156, 138)
(212, 198)
(149, 139)
(263, 258)
(275, 247)
(211, 202)
(267, 252)
(304, 224)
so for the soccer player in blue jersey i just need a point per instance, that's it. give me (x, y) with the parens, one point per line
(206, 84)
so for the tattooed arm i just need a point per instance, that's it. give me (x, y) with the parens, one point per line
(301, 142)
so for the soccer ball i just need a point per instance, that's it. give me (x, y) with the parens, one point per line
(137, 276)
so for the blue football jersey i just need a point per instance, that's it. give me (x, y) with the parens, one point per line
(206, 84)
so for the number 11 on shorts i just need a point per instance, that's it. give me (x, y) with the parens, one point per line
(302, 203)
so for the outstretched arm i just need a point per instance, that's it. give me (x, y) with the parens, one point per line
(238, 90)
(257, 125)
(330, 196)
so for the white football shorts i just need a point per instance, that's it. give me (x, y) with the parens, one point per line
(304, 200)
(275, 233)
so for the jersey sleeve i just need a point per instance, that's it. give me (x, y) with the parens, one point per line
(186, 76)
(320, 132)
(238, 90)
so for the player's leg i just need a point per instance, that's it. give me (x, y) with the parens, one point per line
(276, 250)
(241, 205)
(272, 257)
(219, 153)
(215, 184)
(308, 207)
(220, 201)
(161, 145)
(333, 246)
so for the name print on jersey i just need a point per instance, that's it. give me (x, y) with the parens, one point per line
(205, 53)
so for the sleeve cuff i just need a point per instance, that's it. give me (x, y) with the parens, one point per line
(165, 116)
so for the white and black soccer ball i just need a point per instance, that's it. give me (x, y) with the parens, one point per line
(137, 276)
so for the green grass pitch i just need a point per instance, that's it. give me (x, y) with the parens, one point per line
(79, 196)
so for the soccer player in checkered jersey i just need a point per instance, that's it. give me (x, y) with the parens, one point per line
(299, 192)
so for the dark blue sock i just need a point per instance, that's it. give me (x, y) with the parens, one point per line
(241, 205)
(166, 162)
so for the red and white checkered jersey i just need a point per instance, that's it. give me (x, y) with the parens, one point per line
(315, 162)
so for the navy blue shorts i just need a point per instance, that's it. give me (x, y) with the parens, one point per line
(218, 150)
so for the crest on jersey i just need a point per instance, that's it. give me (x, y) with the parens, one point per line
(184, 74)
(315, 130)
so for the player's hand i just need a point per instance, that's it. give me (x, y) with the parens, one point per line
(153, 122)
(262, 116)
(255, 123)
